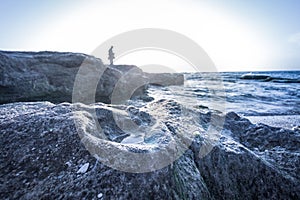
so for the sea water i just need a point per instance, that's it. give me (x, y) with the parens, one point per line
(273, 93)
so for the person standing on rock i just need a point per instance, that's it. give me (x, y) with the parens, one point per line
(111, 55)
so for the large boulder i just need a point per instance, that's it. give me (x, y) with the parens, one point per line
(43, 155)
(51, 76)
(72, 151)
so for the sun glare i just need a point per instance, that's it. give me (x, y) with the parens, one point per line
(230, 43)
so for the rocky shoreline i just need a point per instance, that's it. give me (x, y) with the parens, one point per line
(43, 155)
(50, 76)
(52, 147)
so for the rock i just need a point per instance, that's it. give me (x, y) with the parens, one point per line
(255, 76)
(272, 156)
(296, 128)
(83, 168)
(51, 76)
(165, 79)
(43, 125)
(247, 162)
(267, 78)
(100, 195)
(68, 164)
(241, 174)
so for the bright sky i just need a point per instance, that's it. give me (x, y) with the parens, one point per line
(237, 35)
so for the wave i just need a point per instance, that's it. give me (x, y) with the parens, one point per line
(267, 78)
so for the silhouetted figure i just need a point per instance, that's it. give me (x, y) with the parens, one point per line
(111, 55)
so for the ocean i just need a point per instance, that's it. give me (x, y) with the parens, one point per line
(255, 95)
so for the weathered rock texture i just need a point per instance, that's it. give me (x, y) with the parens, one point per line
(42, 150)
(50, 76)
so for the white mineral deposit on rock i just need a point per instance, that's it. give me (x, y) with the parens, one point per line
(83, 168)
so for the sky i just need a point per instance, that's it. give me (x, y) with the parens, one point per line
(238, 35)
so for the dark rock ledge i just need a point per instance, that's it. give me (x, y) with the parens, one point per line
(50, 76)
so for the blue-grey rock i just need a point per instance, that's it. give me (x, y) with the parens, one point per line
(50, 76)
(37, 139)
